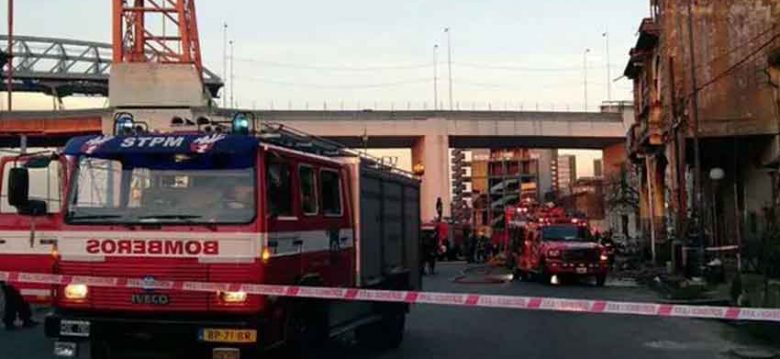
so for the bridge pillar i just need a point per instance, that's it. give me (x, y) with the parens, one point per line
(432, 150)
(613, 158)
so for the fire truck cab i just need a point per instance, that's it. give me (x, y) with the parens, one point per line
(241, 203)
(559, 246)
(28, 234)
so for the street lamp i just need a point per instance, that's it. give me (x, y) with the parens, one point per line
(435, 77)
(585, 72)
(716, 175)
(449, 60)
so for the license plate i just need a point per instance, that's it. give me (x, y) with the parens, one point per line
(150, 299)
(225, 353)
(582, 270)
(228, 335)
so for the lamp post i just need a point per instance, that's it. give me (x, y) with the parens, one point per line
(449, 61)
(435, 77)
(224, 62)
(609, 67)
(585, 72)
(716, 175)
(10, 65)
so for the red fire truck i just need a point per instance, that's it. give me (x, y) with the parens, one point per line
(20, 248)
(227, 204)
(552, 244)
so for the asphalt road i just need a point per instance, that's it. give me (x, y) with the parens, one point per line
(457, 332)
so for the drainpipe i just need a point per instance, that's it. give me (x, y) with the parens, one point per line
(651, 198)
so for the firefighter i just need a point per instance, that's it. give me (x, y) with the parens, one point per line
(15, 305)
(429, 252)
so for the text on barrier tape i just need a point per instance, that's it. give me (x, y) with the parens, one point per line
(413, 297)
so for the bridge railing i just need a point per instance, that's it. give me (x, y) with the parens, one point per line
(59, 62)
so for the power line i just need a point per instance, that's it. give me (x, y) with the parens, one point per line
(741, 46)
(337, 87)
(334, 68)
(408, 66)
(526, 69)
(734, 66)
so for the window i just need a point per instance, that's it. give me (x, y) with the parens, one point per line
(331, 193)
(309, 201)
(162, 189)
(99, 183)
(44, 185)
(565, 233)
(278, 189)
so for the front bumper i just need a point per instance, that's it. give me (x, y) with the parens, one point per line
(576, 268)
(148, 334)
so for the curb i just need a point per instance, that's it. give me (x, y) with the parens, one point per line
(703, 302)
(752, 353)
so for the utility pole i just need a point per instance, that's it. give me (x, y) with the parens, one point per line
(435, 77)
(9, 83)
(449, 60)
(232, 75)
(224, 62)
(585, 80)
(609, 67)
(696, 148)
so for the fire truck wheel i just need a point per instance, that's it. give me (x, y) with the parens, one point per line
(306, 330)
(544, 275)
(601, 280)
(388, 333)
(520, 274)
(99, 349)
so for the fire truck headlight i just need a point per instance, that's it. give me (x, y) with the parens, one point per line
(76, 291)
(604, 257)
(233, 297)
(553, 253)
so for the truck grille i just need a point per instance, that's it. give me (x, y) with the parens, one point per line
(583, 255)
(121, 298)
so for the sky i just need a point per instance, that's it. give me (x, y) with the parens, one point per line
(505, 54)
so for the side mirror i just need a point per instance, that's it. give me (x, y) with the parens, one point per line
(18, 187)
(34, 208)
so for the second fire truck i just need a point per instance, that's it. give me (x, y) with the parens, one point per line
(546, 243)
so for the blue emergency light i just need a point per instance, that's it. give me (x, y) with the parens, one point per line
(241, 123)
(124, 124)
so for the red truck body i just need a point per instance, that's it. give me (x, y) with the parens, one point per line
(556, 246)
(220, 207)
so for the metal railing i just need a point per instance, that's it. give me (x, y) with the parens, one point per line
(62, 67)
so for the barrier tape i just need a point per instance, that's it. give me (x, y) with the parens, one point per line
(414, 297)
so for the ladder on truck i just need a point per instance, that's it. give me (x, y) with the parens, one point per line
(285, 136)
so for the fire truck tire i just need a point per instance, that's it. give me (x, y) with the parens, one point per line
(601, 279)
(99, 349)
(387, 333)
(306, 329)
(544, 275)
(520, 274)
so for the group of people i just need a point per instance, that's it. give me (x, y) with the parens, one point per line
(479, 249)
(476, 248)
(15, 308)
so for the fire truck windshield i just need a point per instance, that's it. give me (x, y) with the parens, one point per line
(162, 188)
(565, 233)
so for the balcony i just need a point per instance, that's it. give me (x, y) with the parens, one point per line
(647, 134)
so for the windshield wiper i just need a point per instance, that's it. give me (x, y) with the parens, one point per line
(171, 216)
(95, 216)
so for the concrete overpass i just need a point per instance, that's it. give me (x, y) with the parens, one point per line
(430, 134)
